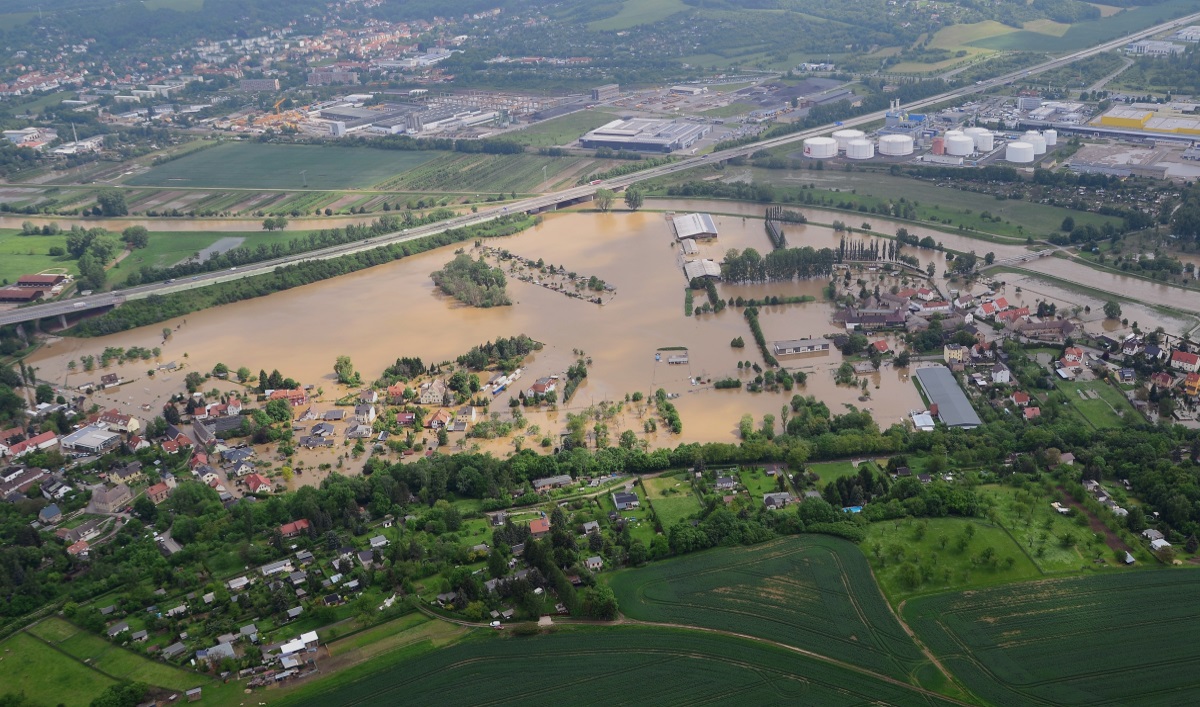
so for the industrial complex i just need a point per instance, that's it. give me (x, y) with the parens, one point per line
(645, 134)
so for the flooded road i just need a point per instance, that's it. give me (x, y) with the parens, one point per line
(378, 315)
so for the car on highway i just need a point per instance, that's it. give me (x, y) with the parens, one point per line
(233, 268)
(170, 281)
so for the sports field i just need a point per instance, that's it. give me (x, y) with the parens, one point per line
(812, 592)
(252, 165)
(616, 665)
(672, 498)
(1121, 638)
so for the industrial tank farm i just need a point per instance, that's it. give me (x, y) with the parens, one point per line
(820, 148)
(844, 137)
(1019, 152)
(895, 145)
(860, 149)
(959, 145)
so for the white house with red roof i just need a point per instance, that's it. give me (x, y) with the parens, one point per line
(925, 294)
(39, 442)
(258, 482)
(1185, 361)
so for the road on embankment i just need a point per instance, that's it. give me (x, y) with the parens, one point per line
(551, 200)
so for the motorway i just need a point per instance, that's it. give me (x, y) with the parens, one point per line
(539, 203)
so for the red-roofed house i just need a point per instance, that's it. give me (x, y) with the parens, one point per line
(118, 422)
(1162, 379)
(1001, 304)
(1020, 398)
(925, 294)
(43, 441)
(79, 549)
(906, 293)
(293, 529)
(539, 528)
(1031, 413)
(197, 459)
(10, 434)
(158, 493)
(136, 443)
(936, 307)
(178, 444)
(258, 482)
(395, 393)
(295, 396)
(1009, 316)
(1073, 353)
(1185, 361)
(439, 419)
(881, 346)
(45, 282)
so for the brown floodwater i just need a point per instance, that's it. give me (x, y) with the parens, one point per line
(378, 315)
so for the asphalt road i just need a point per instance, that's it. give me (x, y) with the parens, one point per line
(81, 304)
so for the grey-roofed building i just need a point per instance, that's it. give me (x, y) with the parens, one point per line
(118, 628)
(551, 482)
(701, 268)
(173, 650)
(140, 635)
(92, 440)
(645, 134)
(694, 226)
(943, 390)
(801, 346)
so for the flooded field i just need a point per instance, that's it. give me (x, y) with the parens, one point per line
(378, 315)
(1032, 289)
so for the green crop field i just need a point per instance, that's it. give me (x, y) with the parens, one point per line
(1125, 637)
(560, 130)
(813, 592)
(1099, 403)
(617, 665)
(30, 666)
(1090, 33)
(912, 557)
(27, 255)
(672, 498)
(251, 165)
(113, 660)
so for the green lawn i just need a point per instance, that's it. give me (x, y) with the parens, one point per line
(114, 660)
(170, 248)
(30, 666)
(934, 548)
(672, 498)
(252, 165)
(27, 255)
(757, 482)
(560, 130)
(1110, 409)
(828, 471)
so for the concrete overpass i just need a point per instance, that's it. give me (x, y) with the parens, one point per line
(553, 200)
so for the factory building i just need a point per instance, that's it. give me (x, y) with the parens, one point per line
(1150, 47)
(645, 135)
(1153, 118)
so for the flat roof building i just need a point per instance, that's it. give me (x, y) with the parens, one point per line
(646, 135)
(801, 346)
(943, 391)
(92, 440)
(694, 226)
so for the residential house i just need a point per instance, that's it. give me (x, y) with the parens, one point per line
(378, 542)
(364, 413)
(238, 584)
(881, 346)
(1032, 413)
(1133, 345)
(433, 393)
(359, 431)
(126, 473)
(111, 500)
(277, 567)
(36, 443)
(406, 419)
(294, 529)
(78, 549)
(955, 353)
(135, 444)
(594, 563)
(1191, 385)
(935, 307)
(925, 294)
(539, 528)
(295, 396)
(395, 393)
(439, 419)
(158, 493)
(1001, 375)
(541, 386)
(625, 500)
(725, 483)
(369, 397)
(1185, 361)
(777, 500)
(258, 483)
(1052, 331)
(109, 380)
(1162, 380)
(1021, 399)
(1152, 534)
(1009, 316)
(591, 527)
(118, 422)
(117, 629)
(465, 416)
(50, 514)
(1073, 354)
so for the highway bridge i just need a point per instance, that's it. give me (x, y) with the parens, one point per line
(65, 308)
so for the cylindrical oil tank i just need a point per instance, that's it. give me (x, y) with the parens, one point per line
(959, 145)
(1035, 138)
(844, 137)
(1051, 137)
(939, 146)
(820, 148)
(860, 149)
(895, 145)
(984, 141)
(952, 133)
(1019, 152)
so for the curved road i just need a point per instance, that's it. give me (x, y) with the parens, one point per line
(538, 203)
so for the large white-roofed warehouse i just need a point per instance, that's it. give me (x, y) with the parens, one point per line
(701, 268)
(645, 134)
(947, 397)
(694, 226)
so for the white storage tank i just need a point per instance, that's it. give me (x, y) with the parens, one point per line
(1051, 137)
(1019, 152)
(820, 148)
(952, 133)
(959, 145)
(895, 145)
(1035, 138)
(984, 142)
(860, 149)
(844, 137)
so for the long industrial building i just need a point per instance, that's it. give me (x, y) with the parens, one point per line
(691, 226)
(951, 402)
(645, 135)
